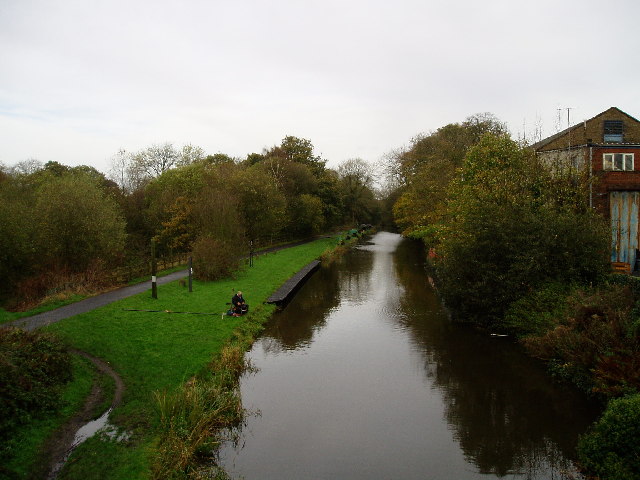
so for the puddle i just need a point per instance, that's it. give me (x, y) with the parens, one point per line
(88, 430)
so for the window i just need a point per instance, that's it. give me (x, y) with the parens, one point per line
(617, 161)
(613, 131)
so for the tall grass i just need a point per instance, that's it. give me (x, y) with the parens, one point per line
(192, 417)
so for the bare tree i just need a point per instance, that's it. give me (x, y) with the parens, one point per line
(118, 171)
(190, 154)
(27, 167)
(156, 159)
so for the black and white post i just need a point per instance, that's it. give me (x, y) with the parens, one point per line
(154, 267)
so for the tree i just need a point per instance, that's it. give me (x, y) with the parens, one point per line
(306, 212)
(169, 199)
(507, 231)
(611, 449)
(77, 222)
(190, 154)
(27, 167)
(119, 169)
(425, 170)
(292, 150)
(155, 160)
(357, 180)
(261, 203)
(218, 158)
(300, 150)
(178, 232)
(17, 231)
(329, 192)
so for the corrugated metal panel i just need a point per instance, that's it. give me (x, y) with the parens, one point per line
(624, 226)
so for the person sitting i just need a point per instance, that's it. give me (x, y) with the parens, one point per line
(239, 306)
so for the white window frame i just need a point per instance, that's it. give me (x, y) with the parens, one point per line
(617, 162)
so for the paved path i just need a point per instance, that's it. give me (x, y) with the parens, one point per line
(91, 303)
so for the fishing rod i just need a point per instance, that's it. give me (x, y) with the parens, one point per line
(168, 311)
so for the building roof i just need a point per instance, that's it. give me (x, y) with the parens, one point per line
(542, 143)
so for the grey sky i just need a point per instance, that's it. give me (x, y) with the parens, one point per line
(80, 80)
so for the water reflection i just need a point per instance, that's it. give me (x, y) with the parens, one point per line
(506, 413)
(364, 376)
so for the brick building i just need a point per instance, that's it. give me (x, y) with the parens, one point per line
(605, 148)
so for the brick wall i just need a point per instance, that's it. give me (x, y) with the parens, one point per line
(592, 131)
(608, 181)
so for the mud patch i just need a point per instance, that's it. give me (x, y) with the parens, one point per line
(83, 425)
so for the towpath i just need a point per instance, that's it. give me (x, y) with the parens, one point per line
(91, 303)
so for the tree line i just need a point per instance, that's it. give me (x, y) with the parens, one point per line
(57, 220)
(516, 249)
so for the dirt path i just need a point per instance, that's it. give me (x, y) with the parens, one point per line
(60, 445)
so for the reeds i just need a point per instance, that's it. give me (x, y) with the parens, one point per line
(193, 417)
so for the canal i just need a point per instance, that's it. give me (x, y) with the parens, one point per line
(363, 376)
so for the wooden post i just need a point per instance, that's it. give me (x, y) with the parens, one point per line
(154, 268)
(190, 275)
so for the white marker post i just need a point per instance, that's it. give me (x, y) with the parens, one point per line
(154, 267)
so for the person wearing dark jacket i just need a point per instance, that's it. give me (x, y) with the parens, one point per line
(240, 307)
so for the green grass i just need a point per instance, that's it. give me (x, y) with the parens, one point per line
(27, 444)
(160, 351)
(6, 316)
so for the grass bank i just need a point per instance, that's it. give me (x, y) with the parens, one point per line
(68, 297)
(161, 354)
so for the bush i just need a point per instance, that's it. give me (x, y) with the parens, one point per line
(594, 343)
(33, 368)
(611, 450)
(538, 312)
(508, 231)
(214, 259)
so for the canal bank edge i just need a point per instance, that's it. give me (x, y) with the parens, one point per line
(228, 365)
(79, 333)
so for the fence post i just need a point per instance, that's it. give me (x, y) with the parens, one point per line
(154, 267)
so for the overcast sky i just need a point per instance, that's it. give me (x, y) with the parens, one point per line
(80, 80)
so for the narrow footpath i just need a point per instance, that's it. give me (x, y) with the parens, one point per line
(91, 303)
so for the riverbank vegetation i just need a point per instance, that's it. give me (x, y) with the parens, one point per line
(180, 369)
(516, 249)
(68, 232)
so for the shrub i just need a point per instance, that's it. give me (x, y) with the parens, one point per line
(611, 450)
(214, 259)
(33, 368)
(508, 230)
(594, 344)
(537, 312)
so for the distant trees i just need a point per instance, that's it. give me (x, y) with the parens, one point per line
(425, 170)
(500, 223)
(357, 181)
(59, 218)
(77, 222)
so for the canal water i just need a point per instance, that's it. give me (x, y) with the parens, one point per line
(363, 376)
